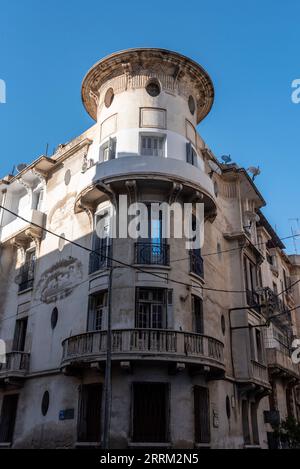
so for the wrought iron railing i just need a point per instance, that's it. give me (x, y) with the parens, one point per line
(152, 253)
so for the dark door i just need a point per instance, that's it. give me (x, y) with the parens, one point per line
(89, 418)
(201, 409)
(8, 417)
(150, 411)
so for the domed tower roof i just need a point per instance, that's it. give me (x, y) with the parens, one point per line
(178, 74)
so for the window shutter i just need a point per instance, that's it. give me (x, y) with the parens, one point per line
(112, 148)
(189, 153)
(91, 314)
(170, 316)
(201, 414)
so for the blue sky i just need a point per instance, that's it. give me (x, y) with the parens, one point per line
(250, 49)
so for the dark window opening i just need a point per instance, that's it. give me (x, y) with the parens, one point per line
(100, 257)
(89, 413)
(8, 418)
(27, 271)
(197, 311)
(201, 414)
(20, 335)
(150, 412)
(255, 432)
(191, 155)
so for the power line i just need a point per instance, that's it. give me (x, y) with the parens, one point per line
(125, 264)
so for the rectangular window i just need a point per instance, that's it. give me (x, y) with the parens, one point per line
(20, 335)
(99, 259)
(201, 414)
(89, 413)
(108, 149)
(8, 417)
(259, 346)
(150, 308)
(152, 146)
(251, 282)
(197, 311)
(150, 412)
(27, 271)
(97, 311)
(191, 155)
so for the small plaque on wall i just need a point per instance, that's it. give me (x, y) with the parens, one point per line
(66, 414)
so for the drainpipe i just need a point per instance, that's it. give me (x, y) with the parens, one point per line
(107, 381)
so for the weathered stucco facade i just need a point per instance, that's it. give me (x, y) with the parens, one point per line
(193, 362)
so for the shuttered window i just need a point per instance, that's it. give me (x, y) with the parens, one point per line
(202, 412)
(197, 311)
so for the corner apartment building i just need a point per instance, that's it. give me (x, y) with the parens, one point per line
(201, 339)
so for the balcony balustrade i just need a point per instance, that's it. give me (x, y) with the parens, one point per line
(145, 344)
(15, 367)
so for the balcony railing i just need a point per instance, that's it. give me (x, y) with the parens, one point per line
(145, 344)
(16, 365)
(259, 372)
(152, 253)
(252, 299)
(26, 276)
(282, 361)
(196, 263)
(100, 259)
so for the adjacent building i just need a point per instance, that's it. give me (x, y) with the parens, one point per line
(200, 339)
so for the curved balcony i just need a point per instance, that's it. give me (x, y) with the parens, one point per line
(144, 344)
(145, 167)
(15, 368)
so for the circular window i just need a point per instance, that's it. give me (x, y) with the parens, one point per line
(153, 88)
(223, 324)
(228, 407)
(61, 242)
(67, 177)
(192, 106)
(45, 403)
(109, 97)
(54, 317)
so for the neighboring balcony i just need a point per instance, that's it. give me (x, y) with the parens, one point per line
(15, 369)
(18, 226)
(152, 253)
(260, 373)
(196, 263)
(280, 364)
(144, 344)
(252, 299)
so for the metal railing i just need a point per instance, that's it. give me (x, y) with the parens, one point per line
(182, 345)
(252, 299)
(152, 253)
(196, 263)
